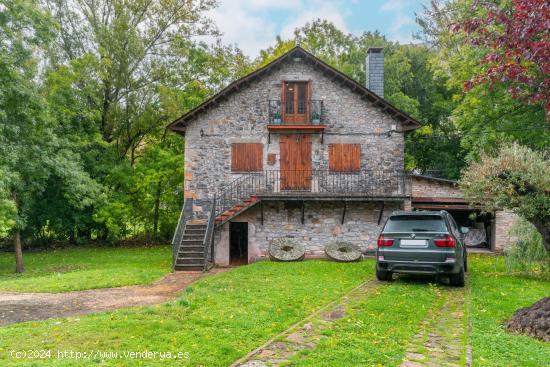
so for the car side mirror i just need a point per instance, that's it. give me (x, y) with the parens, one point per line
(464, 230)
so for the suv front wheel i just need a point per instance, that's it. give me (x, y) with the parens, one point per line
(383, 275)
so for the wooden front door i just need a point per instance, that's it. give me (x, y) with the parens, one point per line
(295, 102)
(295, 162)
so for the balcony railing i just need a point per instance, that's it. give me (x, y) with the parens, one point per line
(316, 183)
(313, 111)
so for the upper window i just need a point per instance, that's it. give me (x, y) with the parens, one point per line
(296, 96)
(344, 157)
(247, 157)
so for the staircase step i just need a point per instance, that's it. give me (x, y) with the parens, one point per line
(186, 254)
(195, 261)
(188, 267)
(192, 237)
(191, 242)
(191, 249)
(195, 226)
(196, 222)
(194, 231)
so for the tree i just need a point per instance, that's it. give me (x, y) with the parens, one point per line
(517, 36)
(517, 179)
(31, 153)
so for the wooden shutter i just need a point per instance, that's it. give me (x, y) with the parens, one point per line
(247, 157)
(344, 157)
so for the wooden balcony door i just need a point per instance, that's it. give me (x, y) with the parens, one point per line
(296, 96)
(295, 162)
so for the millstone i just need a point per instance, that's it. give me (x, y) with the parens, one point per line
(343, 251)
(286, 249)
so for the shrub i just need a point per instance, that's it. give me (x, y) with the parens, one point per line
(528, 254)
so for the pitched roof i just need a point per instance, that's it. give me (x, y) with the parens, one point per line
(409, 123)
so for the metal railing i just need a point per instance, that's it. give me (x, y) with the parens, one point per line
(313, 109)
(365, 183)
(180, 228)
(209, 238)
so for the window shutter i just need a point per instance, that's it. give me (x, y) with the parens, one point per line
(247, 157)
(309, 103)
(344, 157)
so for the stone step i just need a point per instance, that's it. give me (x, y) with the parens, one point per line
(188, 267)
(186, 254)
(191, 242)
(190, 260)
(194, 231)
(192, 249)
(192, 237)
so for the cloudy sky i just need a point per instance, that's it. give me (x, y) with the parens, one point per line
(253, 24)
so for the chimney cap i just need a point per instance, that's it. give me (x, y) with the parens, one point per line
(375, 50)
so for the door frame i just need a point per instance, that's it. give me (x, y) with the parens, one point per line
(296, 118)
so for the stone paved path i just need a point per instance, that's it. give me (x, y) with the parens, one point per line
(442, 338)
(307, 333)
(21, 307)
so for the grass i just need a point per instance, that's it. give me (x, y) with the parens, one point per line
(221, 318)
(376, 332)
(494, 298)
(84, 268)
(216, 321)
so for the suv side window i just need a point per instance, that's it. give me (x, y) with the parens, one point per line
(454, 227)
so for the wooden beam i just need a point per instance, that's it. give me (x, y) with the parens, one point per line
(344, 212)
(381, 212)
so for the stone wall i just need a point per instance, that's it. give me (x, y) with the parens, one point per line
(243, 117)
(322, 224)
(426, 188)
(504, 220)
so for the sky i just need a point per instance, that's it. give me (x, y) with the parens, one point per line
(254, 24)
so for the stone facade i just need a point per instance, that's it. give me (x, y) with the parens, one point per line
(243, 118)
(504, 220)
(428, 188)
(322, 224)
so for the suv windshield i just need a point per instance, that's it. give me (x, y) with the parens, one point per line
(415, 223)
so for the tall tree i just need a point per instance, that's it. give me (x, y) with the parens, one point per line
(31, 153)
(517, 36)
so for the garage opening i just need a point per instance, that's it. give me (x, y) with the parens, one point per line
(480, 227)
(238, 243)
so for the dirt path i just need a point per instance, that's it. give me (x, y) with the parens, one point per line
(442, 338)
(20, 307)
(307, 333)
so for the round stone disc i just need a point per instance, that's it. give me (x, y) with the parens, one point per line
(343, 251)
(286, 249)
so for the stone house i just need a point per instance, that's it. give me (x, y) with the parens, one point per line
(294, 149)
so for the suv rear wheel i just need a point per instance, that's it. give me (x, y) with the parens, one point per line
(383, 275)
(457, 280)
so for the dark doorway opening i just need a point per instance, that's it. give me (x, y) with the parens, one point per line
(238, 243)
(480, 225)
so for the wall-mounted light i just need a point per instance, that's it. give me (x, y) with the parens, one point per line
(202, 133)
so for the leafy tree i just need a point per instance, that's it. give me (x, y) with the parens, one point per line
(485, 116)
(516, 179)
(518, 37)
(31, 153)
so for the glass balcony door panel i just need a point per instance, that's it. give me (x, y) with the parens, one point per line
(296, 102)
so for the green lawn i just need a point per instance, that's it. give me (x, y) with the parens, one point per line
(85, 268)
(223, 317)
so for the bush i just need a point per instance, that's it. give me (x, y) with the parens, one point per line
(528, 254)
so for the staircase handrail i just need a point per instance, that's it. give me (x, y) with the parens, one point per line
(180, 227)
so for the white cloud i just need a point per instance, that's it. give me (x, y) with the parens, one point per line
(239, 25)
(398, 28)
(315, 10)
(247, 23)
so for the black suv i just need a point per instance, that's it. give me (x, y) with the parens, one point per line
(422, 242)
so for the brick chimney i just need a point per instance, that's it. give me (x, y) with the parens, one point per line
(375, 70)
